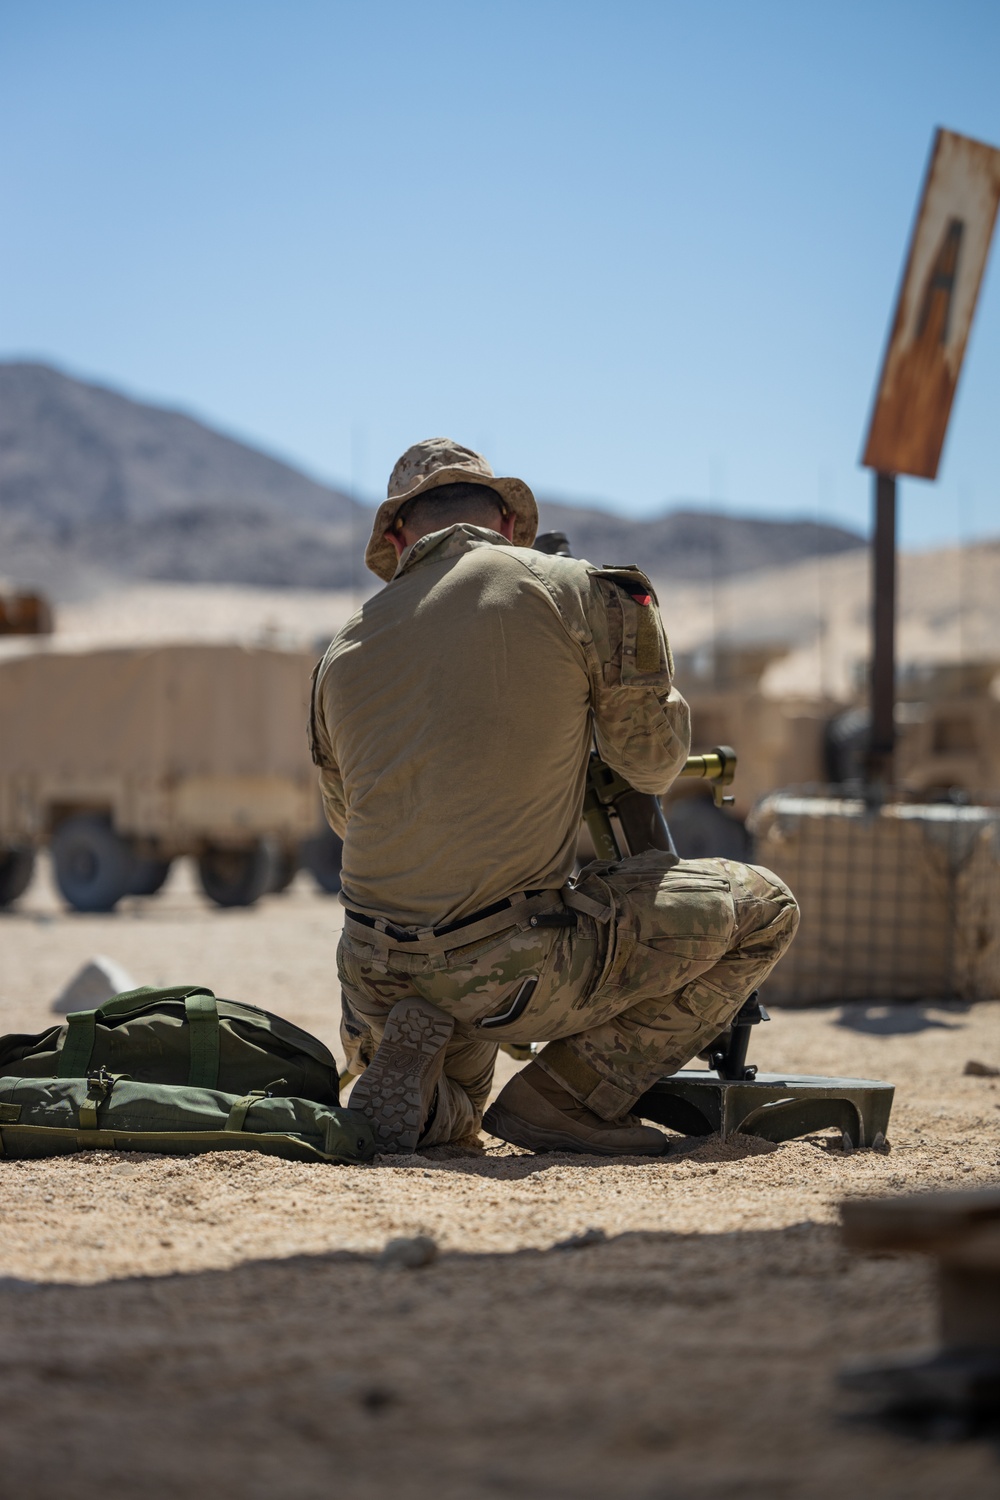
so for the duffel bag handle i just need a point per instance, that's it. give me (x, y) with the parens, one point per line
(136, 999)
(202, 1014)
(203, 1026)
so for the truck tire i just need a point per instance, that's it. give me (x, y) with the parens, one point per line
(236, 877)
(848, 735)
(148, 875)
(322, 855)
(16, 869)
(703, 831)
(286, 867)
(93, 864)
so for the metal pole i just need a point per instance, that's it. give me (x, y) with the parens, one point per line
(883, 677)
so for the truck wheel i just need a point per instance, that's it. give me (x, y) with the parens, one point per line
(93, 865)
(286, 867)
(848, 735)
(236, 877)
(148, 875)
(322, 855)
(16, 869)
(703, 831)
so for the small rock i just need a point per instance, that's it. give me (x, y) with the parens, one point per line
(97, 981)
(975, 1069)
(408, 1254)
(377, 1397)
(582, 1241)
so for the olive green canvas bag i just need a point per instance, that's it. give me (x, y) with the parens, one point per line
(181, 1035)
(53, 1116)
(175, 1070)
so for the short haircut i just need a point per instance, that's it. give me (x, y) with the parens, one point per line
(449, 504)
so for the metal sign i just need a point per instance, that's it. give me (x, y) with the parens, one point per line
(948, 250)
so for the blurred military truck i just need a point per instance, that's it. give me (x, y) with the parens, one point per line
(780, 742)
(947, 723)
(24, 613)
(947, 726)
(123, 759)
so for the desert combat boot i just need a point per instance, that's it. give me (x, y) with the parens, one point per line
(535, 1112)
(396, 1091)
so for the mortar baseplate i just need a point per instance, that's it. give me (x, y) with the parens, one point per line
(774, 1106)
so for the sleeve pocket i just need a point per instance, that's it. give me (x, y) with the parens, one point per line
(638, 645)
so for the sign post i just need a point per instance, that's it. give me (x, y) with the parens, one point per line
(883, 685)
(923, 359)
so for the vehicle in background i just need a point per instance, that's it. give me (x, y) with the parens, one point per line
(947, 726)
(121, 760)
(25, 614)
(779, 741)
(948, 740)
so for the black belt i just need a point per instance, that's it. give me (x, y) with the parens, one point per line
(400, 934)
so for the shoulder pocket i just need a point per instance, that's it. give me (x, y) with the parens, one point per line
(637, 641)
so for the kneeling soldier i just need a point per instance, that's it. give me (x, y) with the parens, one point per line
(452, 721)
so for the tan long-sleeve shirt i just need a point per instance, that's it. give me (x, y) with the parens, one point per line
(453, 717)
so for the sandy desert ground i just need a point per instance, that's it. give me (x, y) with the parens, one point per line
(227, 1325)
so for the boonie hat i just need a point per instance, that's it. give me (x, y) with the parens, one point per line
(427, 466)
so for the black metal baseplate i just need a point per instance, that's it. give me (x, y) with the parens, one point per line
(774, 1106)
(734, 1098)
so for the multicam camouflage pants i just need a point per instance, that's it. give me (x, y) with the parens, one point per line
(659, 961)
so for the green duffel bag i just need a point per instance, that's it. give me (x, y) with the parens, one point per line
(182, 1035)
(105, 1112)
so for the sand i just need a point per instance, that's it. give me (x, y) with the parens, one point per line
(224, 1326)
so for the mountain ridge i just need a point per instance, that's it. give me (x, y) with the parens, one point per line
(97, 486)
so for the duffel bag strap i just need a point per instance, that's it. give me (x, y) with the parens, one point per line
(99, 1086)
(81, 1030)
(145, 995)
(240, 1110)
(203, 1024)
(78, 1047)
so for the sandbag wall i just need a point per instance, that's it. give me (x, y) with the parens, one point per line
(899, 901)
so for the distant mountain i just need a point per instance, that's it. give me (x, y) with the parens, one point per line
(95, 486)
(72, 452)
(693, 545)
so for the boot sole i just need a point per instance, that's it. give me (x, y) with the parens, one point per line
(517, 1132)
(390, 1092)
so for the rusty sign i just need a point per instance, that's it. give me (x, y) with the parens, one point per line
(944, 267)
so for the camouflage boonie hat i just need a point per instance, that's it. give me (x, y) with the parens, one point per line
(430, 464)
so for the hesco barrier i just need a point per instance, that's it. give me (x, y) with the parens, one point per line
(900, 901)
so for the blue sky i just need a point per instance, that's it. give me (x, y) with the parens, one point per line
(639, 253)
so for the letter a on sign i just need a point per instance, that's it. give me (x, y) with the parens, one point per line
(948, 250)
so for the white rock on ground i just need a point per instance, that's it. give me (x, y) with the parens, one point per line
(98, 980)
